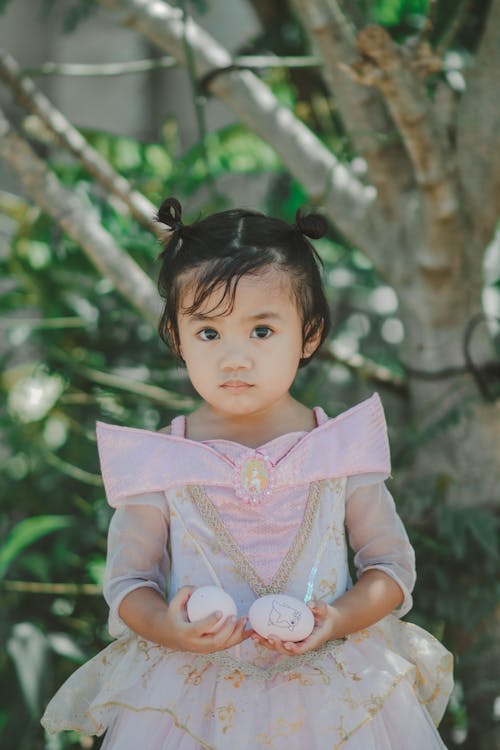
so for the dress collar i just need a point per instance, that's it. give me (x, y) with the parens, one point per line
(136, 461)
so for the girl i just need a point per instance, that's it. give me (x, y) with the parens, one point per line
(254, 492)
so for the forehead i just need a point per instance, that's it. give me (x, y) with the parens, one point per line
(270, 287)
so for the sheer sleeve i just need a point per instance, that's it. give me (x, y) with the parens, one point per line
(137, 554)
(378, 537)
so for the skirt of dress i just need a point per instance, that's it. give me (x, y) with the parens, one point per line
(382, 732)
(383, 688)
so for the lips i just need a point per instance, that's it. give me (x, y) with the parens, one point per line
(235, 384)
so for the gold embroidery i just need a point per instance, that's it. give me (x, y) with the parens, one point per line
(193, 676)
(223, 713)
(243, 566)
(236, 678)
(168, 711)
(282, 728)
(228, 665)
(372, 708)
(327, 586)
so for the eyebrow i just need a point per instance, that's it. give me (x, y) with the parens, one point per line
(197, 317)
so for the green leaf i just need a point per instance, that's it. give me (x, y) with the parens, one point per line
(484, 529)
(391, 12)
(25, 533)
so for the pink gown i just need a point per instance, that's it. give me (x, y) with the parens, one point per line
(270, 520)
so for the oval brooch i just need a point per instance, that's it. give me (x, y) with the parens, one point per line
(254, 477)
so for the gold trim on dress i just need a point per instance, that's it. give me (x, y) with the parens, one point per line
(244, 567)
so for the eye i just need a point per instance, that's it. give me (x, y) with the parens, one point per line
(262, 332)
(208, 334)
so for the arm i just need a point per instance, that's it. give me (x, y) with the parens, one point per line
(134, 585)
(148, 615)
(374, 596)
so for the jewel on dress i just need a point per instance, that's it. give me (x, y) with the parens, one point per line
(254, 478)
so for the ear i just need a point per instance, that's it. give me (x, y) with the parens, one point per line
(312, 343)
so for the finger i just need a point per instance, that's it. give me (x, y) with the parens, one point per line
(238, 635)
(238, 627)
(308, 644)
(224, 634)
(261, 641)
(181, 597)
(318, 609)
(209, 625)
(273, 644)
(279, 647)
(246, 633)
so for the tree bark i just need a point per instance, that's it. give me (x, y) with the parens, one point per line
(362, 110)
(79, 222)
(27, 94)
(327, 181)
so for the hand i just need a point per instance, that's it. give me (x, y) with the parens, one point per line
(213, 633)
(323, 631)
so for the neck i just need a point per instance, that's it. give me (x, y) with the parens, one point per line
(250, 429)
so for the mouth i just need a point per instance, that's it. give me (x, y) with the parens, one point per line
(236, 385)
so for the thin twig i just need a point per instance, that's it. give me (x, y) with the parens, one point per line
(64, 589)
(198, 98)
(78, 221)
(26, 92)
(453, 28)
(154, 393)
(44, 323)
(101, 70)
(364, 367)
(70, 470)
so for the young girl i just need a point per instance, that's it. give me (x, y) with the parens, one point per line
(254, 492)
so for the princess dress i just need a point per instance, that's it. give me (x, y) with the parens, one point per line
(257, 521)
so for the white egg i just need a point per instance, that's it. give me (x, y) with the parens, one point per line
(206, 600)
(282, 616)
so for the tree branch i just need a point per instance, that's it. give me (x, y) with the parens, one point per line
(102, 70)
(385, 66)
(453, 27)
(365, 117)
(349, 203)
(26, 92)
(478, 133)
(78, 222)
(399, 77)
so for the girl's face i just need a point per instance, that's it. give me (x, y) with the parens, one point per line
(244, 362)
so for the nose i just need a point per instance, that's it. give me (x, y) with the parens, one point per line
(235, 358)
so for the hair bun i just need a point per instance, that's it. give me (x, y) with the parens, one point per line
(170, 213)
(312, 225)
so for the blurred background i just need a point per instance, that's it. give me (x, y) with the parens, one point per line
(382, 114)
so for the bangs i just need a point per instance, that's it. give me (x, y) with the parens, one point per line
(221, 275)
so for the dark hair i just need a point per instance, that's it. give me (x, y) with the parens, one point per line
(225, 246)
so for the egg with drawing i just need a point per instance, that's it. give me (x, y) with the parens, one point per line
(282, 616)
(206, 600)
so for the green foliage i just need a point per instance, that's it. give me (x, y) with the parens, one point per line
(25, 533)
(81, 354)
(392, 12)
